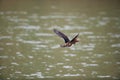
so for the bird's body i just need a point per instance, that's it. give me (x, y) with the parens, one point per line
(68, 42)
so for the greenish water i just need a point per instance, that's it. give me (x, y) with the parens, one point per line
(29, 49)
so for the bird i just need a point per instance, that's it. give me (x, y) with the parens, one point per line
(68, 42)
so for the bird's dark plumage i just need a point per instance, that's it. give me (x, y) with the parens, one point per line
(62, 35)
(68, 42)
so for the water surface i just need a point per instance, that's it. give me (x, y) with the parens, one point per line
(29, 49)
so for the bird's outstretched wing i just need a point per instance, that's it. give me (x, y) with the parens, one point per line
(66, 39)
(74, 39)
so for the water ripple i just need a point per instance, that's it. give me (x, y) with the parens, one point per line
(71, 74)
(87, 65)
(30, 27)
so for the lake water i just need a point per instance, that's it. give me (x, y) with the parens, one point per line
(29, 49)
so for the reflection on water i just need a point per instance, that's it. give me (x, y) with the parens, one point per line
(30, 49)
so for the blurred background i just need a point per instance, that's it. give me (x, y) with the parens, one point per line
(29, 49)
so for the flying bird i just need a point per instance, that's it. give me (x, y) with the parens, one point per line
(68, 42)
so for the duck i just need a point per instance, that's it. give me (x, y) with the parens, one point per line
(68, 42)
